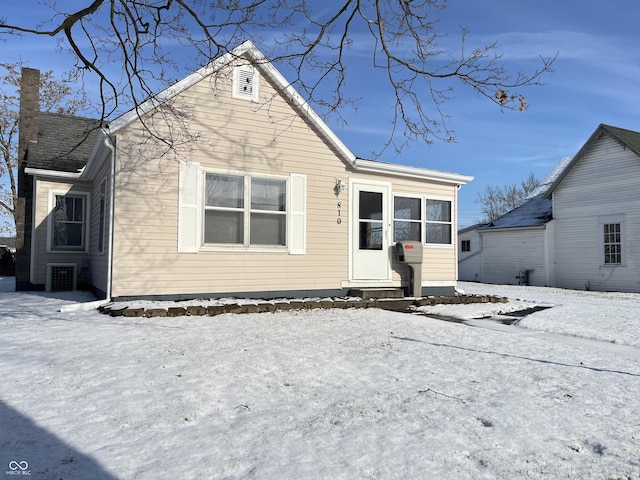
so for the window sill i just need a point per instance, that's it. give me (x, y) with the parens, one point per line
(243, 249)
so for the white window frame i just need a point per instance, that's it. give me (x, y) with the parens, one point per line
(420, 222)
(451, 223)
(240, 75)
(246, 211)
(612, 220)
(53, 193)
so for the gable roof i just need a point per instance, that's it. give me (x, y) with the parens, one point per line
(626, 138)
(250, 52)
(64, 142)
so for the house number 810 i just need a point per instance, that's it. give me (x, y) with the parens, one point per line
(339, 220)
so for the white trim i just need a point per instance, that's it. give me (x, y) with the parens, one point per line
(370, 166)
(609, 220)
(248, 247)
(52, 173)
(354, 222)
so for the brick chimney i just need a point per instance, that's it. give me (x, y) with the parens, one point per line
(29, 107)
(28, 132)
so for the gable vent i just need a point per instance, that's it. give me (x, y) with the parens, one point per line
(245, 82)
(61, 277)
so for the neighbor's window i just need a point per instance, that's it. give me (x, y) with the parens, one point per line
(244, 210)
(438, 221)
(68, 218)
(466, 245)
(612, 243)
(407, 219)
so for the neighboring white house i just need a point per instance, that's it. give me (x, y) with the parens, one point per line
(580, 229)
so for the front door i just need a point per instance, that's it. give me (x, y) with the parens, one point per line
(370, 231)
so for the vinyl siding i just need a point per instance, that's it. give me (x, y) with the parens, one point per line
(42, 257)
(99, 262)
(603, 182)
(469, 262)
(507, 252)
(235, 135)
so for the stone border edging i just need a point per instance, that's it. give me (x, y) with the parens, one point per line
(262, 306)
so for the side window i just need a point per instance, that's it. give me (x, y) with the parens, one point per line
(465, 245)
(68, 222)
(438, 222)
(407, 219)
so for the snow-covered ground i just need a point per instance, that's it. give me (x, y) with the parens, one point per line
(335, 394)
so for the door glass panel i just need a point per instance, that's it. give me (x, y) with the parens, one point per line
(370, 206)
(371, 226)
(370, 235)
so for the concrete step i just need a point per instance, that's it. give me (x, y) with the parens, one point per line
(370, 293)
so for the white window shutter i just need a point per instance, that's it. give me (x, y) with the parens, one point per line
(298, 214)
(189, 207)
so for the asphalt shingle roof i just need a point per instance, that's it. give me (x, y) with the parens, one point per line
(64, 142)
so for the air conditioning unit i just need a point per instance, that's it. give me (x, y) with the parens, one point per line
(61, 277)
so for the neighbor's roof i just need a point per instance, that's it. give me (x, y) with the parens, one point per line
(64, 142)
(537, 210)
(627, 138)
(534, 212)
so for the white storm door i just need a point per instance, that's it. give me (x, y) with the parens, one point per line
(370, 231)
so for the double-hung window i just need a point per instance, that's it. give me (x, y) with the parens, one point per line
(407, 219)
(68, 222)
(612, 235)
(245, 210)
(438, 222)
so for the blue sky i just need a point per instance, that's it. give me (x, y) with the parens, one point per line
(596, 79)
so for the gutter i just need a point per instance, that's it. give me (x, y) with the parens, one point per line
(371, 166)
(52, 173)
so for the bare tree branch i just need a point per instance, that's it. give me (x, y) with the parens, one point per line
(315, 40)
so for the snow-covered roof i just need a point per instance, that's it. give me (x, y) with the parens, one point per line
(537, 210)
(534, 212)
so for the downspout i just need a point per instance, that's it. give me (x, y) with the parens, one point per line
(96, 304)
(112, 172)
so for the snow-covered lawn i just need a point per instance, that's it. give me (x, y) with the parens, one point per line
(335, 394)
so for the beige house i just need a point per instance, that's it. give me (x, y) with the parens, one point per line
(228, 183)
